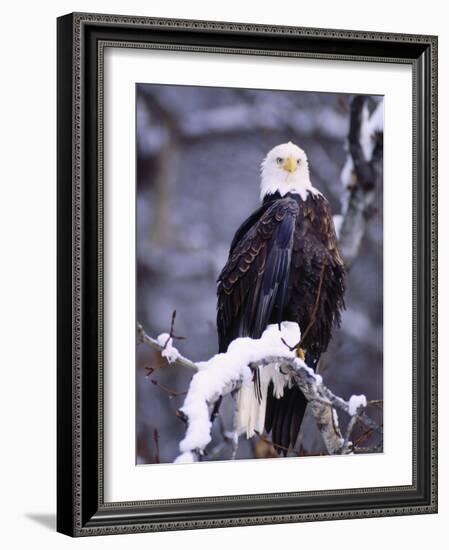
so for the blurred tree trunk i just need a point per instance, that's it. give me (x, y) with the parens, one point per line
(166, 172)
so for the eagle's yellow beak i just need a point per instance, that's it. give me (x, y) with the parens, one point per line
(290, 164)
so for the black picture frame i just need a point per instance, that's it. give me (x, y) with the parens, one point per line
(81, 509)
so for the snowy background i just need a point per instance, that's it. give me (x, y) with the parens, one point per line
(198, 157)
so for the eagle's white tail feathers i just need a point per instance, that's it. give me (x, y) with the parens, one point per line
(251, 411)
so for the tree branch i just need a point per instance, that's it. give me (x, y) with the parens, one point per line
(227, 372)
(143, 337)
(361, 176)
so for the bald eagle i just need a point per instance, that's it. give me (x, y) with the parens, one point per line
(283, 265)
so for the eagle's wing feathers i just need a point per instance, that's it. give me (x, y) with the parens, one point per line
(253, 284)
(274, 282)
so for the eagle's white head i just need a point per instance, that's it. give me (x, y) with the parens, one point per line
(286, 170)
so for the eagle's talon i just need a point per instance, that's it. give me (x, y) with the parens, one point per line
(300, 352)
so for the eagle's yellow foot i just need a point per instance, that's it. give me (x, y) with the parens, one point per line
(300, 352)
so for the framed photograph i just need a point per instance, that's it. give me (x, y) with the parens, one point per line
(247, 274)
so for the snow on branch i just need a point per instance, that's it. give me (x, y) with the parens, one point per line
(161, 343)
(225, 373)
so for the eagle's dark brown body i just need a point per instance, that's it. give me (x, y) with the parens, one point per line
(284, 265)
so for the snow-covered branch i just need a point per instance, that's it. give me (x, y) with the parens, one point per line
(164, 344)
(361, 175)
(234, 370)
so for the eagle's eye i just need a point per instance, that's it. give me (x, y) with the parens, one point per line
(299, 161)
(279, 160)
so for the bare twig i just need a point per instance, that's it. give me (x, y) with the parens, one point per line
(314, 312)
(171, 393)
(143, 337)
(376, 403)
(315, 307)
(152, 370)
(172, 334)
(365, 435)
(156, 444)
(276, 445)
